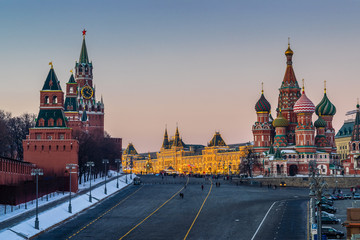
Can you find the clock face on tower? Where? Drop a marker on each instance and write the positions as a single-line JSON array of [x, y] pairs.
[[87, 92]]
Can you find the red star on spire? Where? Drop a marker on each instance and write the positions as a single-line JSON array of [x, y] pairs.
[[84, 32]]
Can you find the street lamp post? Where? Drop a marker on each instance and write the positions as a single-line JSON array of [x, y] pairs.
[[36, 172], [118, 161], [105, 161], [317, 187], [90, 164], [131, 166], [70, 167]]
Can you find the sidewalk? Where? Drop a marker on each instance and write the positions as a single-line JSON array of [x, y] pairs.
[[58, 200]]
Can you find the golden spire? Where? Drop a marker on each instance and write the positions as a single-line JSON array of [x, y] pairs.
[[324, 86], [71, 71], [262, 88], [303, 86], [51, 64]]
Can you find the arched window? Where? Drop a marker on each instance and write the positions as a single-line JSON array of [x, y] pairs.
[[42, 147], [64, 148], [354, 146], [49, 147], [57, 147], [59, 122], [41, 122], [51, 122], [55, 100], [46, 99], [35, 147], [71, 90]]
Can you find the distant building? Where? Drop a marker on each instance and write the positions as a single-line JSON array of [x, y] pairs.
[[288, 144], [176, 156], [343, 136]]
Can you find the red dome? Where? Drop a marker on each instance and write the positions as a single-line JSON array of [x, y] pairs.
[[304, 105]]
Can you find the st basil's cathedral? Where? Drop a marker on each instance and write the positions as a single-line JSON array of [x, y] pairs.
[[289, 144]]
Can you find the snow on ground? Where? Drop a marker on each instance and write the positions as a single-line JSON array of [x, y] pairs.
[[20, 209], [59, 213]]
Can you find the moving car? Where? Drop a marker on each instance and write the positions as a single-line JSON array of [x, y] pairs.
[[137, 181], [282, 184], [331, 232]]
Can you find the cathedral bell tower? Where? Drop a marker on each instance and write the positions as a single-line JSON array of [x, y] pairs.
[[289, 94]]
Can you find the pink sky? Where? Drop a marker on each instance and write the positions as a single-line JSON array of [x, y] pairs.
[[198, 63]]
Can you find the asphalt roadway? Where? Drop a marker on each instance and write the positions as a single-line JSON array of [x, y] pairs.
[[154, 210]]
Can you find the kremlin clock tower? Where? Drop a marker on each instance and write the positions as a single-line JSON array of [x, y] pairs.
[[84, 113]]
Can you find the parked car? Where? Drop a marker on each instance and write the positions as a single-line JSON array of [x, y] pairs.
[[328, 202], [340, 196], [331, 232], [326, 214], [334, 197], [331, 220], [356, 196], [282, 184], [347, 196], [328, 208]]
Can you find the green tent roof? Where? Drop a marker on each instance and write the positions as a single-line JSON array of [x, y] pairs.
[[51, 82]]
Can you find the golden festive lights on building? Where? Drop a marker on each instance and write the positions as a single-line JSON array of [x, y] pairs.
[[177, 157]]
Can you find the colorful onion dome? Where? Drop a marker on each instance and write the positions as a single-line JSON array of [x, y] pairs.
[[320, 122], [325, 107], [280, 121], [262, 105], [304, 104]]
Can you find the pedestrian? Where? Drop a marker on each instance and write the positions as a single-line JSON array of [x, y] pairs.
[[202, 187], [219, 184]]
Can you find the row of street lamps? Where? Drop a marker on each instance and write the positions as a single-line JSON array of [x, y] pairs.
[[38, 172]]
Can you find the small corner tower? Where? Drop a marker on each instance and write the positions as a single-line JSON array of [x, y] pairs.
[[50, 144]]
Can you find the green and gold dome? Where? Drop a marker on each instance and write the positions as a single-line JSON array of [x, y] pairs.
[[320, 123], [262, 105], [280, 121], [325, 107]]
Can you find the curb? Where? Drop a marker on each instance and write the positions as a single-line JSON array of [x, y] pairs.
[[75, 215]]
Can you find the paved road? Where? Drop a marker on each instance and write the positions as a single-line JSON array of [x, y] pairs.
[[155, 211]]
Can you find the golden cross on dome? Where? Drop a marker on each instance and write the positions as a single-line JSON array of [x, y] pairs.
[[262, 88], [324, 86], [289, 41], [303, 87], [71, 71], [51, 64]]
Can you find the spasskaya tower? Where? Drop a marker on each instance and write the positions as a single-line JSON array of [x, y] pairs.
[[82, 109]]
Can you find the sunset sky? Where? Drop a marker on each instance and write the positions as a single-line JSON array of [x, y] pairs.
[[198, 63]]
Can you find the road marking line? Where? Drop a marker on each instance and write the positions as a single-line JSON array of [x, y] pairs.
[[263, 221], [154, 211], [104, 213], [197, 215]]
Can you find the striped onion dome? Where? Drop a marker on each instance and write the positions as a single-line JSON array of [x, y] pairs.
[[304, 105], [262, 105], [280, 121], [325, 107], [320, 122]]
